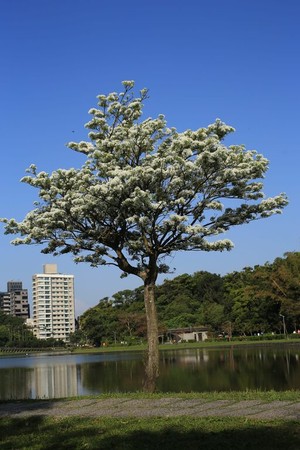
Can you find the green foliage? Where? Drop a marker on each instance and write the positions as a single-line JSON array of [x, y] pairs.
[[190, 300], [257, 296], [14, 332], [77, 338], [113, 321], [4, 335], [241, 303], [286, 287]]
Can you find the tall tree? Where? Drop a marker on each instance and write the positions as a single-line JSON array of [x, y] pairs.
[[285, 280], [144, 192]]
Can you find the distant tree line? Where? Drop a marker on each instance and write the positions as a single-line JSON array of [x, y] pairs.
[[262, 299], [14, 333]]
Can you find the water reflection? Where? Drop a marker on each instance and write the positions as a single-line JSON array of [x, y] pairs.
[[232, 369], [37, 381], [59, 381], [55, 376]]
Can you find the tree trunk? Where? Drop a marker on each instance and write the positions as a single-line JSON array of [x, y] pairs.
[[152, 362]]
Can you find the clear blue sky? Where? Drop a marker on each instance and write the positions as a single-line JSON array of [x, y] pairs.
[[237, 60]]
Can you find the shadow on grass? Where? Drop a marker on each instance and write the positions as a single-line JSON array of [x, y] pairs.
[[133, 434], [23, 406]]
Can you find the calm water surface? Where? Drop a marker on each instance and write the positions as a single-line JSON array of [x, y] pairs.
[[54, 376]]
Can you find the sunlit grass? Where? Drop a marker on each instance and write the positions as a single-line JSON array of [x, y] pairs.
[[184, 345], [167, 346], [266, 396], [235, 396]]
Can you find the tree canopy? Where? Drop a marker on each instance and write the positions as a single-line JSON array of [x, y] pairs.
[[145, 191]]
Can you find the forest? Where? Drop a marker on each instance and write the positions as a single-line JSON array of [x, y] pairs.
[[14, 333], [256, 300]]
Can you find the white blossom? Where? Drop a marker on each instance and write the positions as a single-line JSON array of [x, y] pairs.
[[145, 189]]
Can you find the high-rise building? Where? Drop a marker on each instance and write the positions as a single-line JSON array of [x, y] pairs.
[[53, 304], [14, 286], [5, 302], [19, 303], [15, 300]]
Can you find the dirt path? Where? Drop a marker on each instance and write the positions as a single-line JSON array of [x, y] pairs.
[[163, 407]]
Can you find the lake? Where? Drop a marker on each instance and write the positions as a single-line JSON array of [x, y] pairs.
[[181, 370]]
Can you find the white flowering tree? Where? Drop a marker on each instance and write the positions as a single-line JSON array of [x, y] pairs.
[[144, 192]]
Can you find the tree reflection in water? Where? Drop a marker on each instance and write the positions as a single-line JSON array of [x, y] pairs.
[[270, 367]]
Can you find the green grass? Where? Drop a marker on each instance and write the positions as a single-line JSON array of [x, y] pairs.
[[74, 433], [237, 396], [46, 433], [185, 345], [143, 347]]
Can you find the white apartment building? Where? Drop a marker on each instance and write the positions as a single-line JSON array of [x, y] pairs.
[[53, 304]]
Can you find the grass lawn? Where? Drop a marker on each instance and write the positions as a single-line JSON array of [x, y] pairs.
[[187, 345], [163, 433], [139, 434], [142, 347]]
